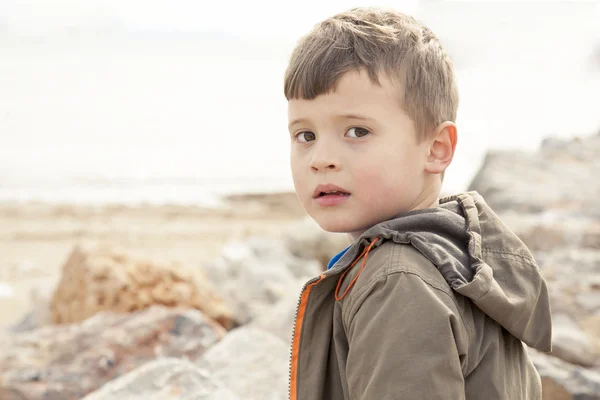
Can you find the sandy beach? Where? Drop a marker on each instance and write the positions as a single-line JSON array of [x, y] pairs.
[[35, 238]]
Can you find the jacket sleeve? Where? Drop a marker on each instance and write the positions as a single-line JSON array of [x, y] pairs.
[[402, 341]]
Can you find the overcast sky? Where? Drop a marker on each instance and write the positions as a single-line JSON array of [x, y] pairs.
[[261, 18]]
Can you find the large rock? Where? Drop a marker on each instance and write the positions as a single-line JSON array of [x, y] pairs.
[[255, 274], [280, 319], [552, 229], [40, 313], [252, 363], [69, 361], [564, 381], [104, 279], [570, 343], [165, 379], [550, 199], [562, 176]]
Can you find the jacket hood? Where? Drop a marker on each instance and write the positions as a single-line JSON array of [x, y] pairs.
[[480, 258]]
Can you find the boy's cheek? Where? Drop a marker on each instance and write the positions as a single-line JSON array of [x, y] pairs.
[[300, 169], [300, 184], [369, 176], [297, 162]]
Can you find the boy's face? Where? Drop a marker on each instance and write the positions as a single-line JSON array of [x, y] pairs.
[[359, 141]]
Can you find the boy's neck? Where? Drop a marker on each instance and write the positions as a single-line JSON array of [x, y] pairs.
[[427, 203]]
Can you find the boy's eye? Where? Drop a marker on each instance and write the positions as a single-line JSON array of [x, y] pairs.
[[306, 136], [357, 132]]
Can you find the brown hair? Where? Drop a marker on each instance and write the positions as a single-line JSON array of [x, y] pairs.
[[377, 41]]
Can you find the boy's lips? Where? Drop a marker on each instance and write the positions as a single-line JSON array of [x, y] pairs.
[[330, 195], [329, 189]]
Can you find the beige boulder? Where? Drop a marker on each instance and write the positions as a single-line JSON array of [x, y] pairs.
[[570, 343], [253, 275], [104, 279], [250, 362], [280, 318], [561, 177], [564, 381], [164, 379]]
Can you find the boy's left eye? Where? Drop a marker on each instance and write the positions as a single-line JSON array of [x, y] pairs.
[[357, 132]]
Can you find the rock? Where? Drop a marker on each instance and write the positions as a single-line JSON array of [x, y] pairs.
[[591, 326], [164, 379], [280, 319], [306, 239], [28, 322], [548, 231], [40, 314], [252, 363], [564, 381], [572, 266], [560, 177], [104, 279], [255, 274], [70, 361], [549, 198], [569, 343], [589, 301]]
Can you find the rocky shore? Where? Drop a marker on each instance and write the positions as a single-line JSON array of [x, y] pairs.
[[550, 199], [182, 303]]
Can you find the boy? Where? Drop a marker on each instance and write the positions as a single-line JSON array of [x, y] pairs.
[[435, 296]]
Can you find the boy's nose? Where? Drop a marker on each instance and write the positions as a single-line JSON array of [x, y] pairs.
[[322, 167], [324, 155], [323, 162]]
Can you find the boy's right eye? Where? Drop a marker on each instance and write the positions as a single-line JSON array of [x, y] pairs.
[[306, 136]]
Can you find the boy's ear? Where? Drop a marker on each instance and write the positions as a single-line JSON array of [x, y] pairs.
[[441, 148]]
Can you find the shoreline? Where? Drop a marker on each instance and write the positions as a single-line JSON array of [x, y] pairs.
[[36, 238]]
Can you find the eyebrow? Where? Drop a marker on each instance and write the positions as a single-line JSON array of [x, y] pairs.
[[296, 121], [341, 116], [353, 116]]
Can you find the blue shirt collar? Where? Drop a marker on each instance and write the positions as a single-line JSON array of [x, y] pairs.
[[336, 258]]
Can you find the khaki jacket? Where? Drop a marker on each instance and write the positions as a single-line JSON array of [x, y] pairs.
[[435, 304]]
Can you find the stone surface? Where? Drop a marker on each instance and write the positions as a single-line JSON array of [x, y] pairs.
[[40, 314], [255, 274], [564, 381], [561, 176], [591, 325], [70, 361], [279, 320], [105, 279], [252, 363], [545, 231], [589, 300], [165, 379], [306, 239], [570, 343], [550, 199]]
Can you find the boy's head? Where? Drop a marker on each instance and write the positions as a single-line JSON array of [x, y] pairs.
[[372, 102]]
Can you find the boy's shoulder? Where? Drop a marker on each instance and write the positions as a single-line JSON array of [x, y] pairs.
[[398, 273], [391, 258]]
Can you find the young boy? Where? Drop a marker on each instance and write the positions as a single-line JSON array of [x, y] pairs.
[[435, 297]]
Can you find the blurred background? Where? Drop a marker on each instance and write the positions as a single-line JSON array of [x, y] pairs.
[[178, 102], [144, 162]]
